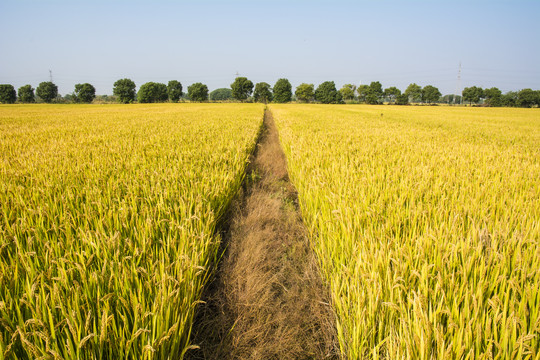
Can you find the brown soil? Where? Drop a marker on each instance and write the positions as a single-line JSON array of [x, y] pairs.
[[267, 300]]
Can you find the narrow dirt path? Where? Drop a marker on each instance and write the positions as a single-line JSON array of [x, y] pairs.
[[267, 300]]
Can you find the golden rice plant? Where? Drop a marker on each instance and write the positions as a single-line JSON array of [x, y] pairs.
[[107, 223], [426, 222]]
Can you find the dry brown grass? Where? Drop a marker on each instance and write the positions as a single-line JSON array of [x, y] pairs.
[[267, 300]]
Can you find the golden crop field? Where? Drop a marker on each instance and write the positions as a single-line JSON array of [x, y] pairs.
[[426, 223], [107, 219]]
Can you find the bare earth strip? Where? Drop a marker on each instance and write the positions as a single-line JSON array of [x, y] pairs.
[[267, 300]]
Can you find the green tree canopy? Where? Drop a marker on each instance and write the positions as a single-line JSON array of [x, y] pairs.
[[527, 98], [241, 88], [348, 91], [509, 99], [326, 93], [492, 93], [198, 92], [84, 93], [375, 88], [402, 99], [26, 94], [282, 91], [221, 94], [392, 93], [430, 94], [493, 97], [372, 99], [174, 90], [47, 91], [8, 95], [414, 92], [152, 92], [124, 90], [263, 92], [473, 94], [305, 92], [371, 94], [363, 92]]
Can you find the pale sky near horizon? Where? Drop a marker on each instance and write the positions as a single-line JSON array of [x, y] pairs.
[[391, 41]]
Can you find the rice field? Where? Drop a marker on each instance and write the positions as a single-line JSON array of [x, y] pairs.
[[107, 223], [426, 224]]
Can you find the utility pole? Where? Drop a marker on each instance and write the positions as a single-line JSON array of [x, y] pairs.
[[458, 86]]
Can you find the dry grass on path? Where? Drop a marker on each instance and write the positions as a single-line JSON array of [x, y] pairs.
[[267, 301]]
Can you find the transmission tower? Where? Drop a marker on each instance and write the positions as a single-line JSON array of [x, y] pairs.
[[50, 75], [458, 86]]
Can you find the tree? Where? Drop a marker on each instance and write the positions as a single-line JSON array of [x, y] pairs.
[[198, 92], [241, 88], [174, 90], [493, 97], [339, 98], [363, 92], [509, 99], [84, 93], [326, 93], [221, 94], [402, 99], [347, 91], [263, 92], [371, 94], [152, 92], [392, 93], [47, 91], [305, 92], [375, 89], [372, 99], [8, 95], [124, 89], [282, 91], [26, 94], [414, 92], [430, 94], [527, 98], [473, 94]]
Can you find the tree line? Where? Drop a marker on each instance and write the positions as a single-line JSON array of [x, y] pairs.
[[243, 89], [495, 98]]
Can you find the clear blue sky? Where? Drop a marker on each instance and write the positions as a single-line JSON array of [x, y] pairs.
[[395, 42]]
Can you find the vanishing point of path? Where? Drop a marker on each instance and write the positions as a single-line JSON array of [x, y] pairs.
[[267, 300]]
